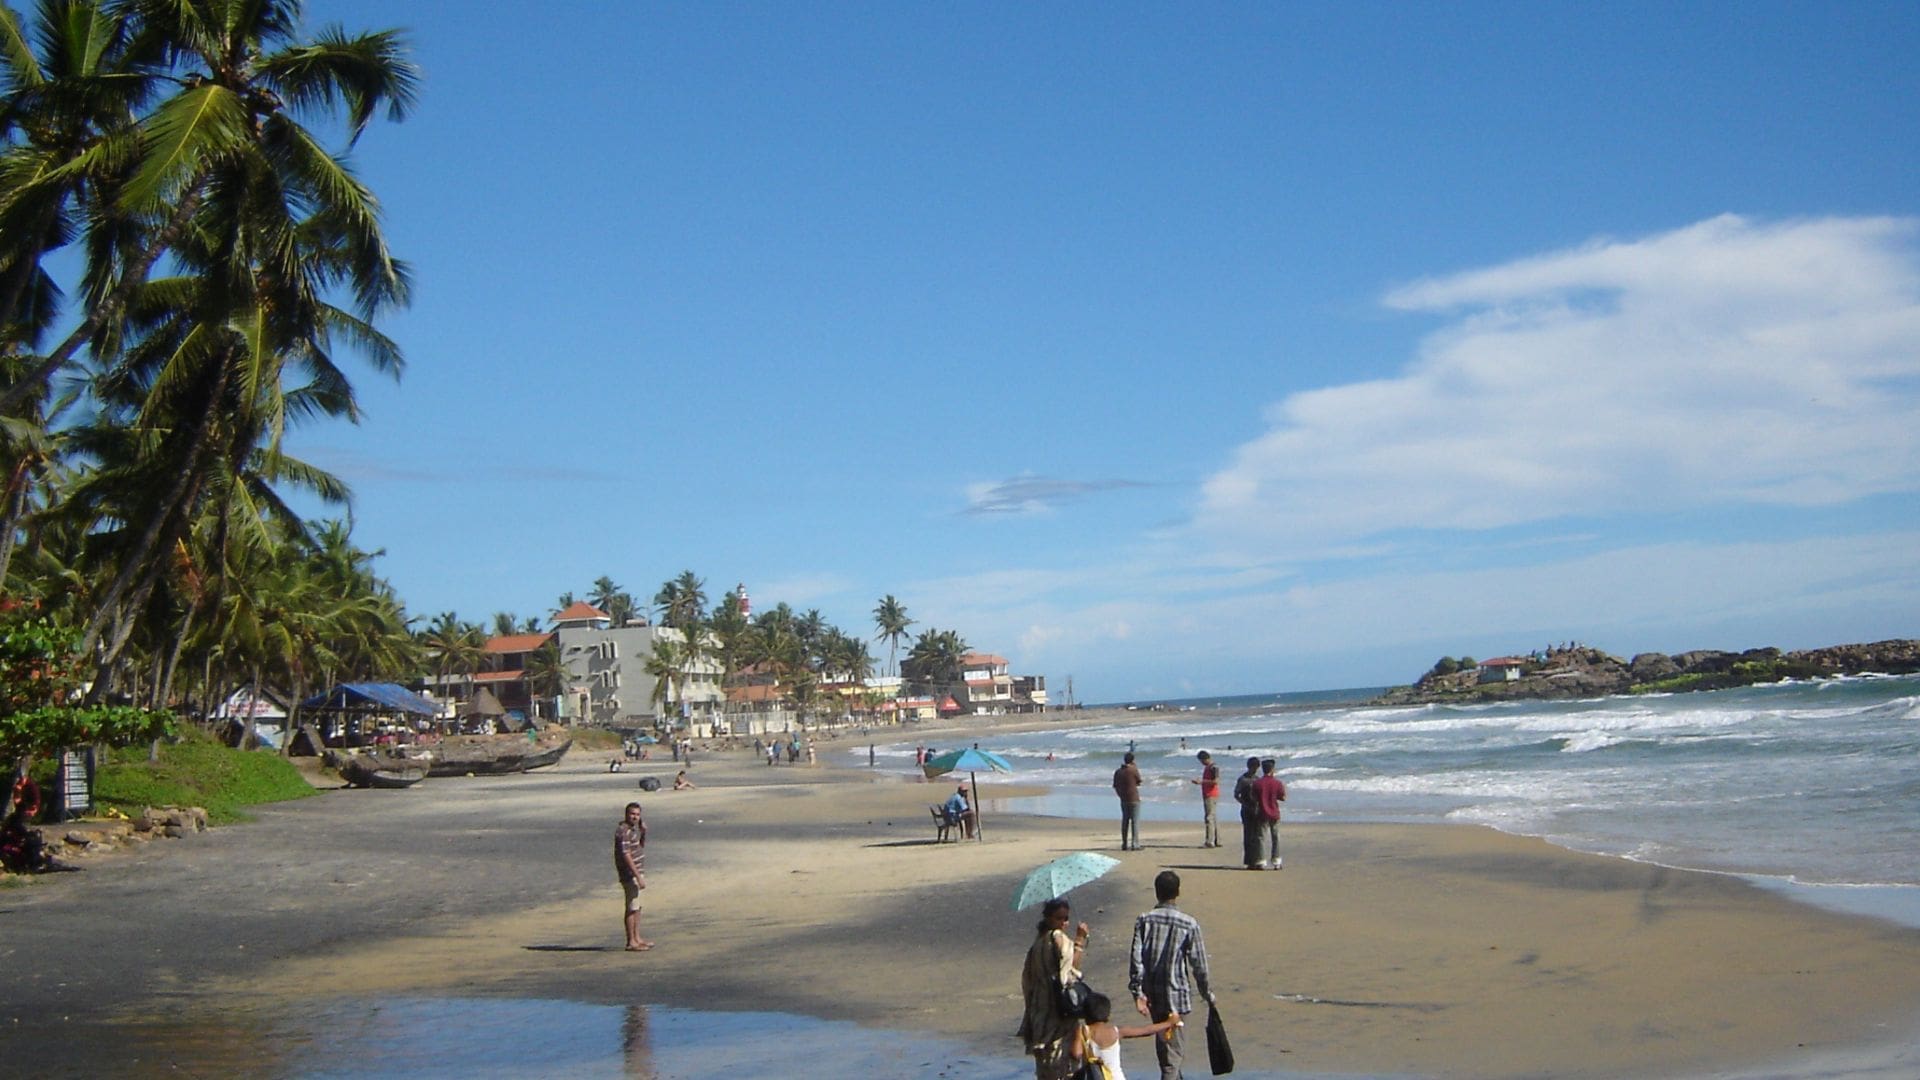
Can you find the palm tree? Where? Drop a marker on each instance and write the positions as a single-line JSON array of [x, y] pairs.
[[682, 601], [546, 672], [227, 133], [664, 666], [933, 663], [890, 618]]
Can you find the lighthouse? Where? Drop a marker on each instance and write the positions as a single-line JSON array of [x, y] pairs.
[[740, 595]]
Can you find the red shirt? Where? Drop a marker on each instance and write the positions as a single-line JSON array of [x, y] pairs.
[[1210, 782], [1269, 792]]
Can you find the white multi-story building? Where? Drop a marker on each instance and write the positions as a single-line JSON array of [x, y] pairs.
[[609, 664], [989, 687]]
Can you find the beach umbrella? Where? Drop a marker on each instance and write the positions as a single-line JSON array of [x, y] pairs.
[[645, 740], [1061, 875], [969, 761]]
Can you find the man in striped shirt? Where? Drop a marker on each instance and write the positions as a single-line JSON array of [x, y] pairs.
[[1167, 962], [630, 862]]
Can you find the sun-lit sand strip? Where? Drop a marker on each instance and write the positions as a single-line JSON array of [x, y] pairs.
[[1422, 950]]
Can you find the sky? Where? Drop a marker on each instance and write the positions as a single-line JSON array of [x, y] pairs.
[[1176, 350]]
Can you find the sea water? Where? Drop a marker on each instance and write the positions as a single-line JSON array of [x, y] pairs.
[[1804, 783]]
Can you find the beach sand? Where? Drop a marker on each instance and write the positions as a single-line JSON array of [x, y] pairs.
[[1416, 950]]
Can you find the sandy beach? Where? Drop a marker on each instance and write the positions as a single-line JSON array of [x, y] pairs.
[[1409, 950]]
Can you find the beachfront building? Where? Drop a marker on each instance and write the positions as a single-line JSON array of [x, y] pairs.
[[505, 673], [989, 687], [1502, 669], [610, 663], [1029, 693]]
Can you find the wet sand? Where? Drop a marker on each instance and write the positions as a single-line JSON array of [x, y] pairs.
[[1418, 950]]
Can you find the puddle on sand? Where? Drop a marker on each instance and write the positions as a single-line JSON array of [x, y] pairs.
[[509, 1038], [486, 1037]]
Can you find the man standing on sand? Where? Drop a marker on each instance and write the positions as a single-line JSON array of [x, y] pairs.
[[1268, 794], [1167, 962], [1126, 784], [1209, 782], [630, 862], [1249, 815]]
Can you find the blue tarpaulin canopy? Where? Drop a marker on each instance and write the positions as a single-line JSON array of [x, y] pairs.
[[372, 695]]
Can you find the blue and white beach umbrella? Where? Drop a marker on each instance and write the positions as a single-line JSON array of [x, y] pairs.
[[1061, 875], [970, 761]]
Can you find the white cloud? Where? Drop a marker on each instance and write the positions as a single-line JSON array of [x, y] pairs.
[[1730, 362]]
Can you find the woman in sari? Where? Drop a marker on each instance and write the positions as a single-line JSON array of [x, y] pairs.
[[1052, 961]]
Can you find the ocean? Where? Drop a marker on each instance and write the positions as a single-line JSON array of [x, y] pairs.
[[1813, 783]]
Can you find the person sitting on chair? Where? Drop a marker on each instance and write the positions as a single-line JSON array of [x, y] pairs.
[[959, 811]]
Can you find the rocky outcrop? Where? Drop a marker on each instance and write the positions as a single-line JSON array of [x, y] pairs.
[[1577, 671]]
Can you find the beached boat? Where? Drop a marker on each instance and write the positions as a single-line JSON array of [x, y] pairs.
[[383, 770], [493, 755]]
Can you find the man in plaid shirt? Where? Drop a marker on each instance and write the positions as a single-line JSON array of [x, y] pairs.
[[1167, 962]]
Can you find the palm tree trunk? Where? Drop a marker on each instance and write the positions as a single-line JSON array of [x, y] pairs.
[[12, 509], [172, 516]]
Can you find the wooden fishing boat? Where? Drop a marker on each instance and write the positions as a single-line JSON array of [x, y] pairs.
[[493, 755], [383, 770]]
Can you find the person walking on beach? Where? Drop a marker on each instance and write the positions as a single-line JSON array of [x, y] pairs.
[[1053, 960], [1126, 784], [1209, 782], [630, 862], [1249, 815], [1268, 793], [1167, 963]]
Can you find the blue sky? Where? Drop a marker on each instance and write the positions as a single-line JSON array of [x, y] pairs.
[[1182, 350]]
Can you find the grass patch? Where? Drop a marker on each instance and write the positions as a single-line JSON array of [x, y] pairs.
[[197, 771], [589, 738]]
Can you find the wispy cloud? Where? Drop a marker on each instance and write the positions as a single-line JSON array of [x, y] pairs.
[[1730, 362], [1035, 494]]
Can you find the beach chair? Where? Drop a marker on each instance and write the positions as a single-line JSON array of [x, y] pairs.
[[945, 827]]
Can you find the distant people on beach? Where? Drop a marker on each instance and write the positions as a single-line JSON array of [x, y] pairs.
[[1166, 964], [1126, 784], [681, 783], [1269, 792], [1249, 815], [870, 758], [1209, 781], [1053, 961], [630, 862], [1099, 1038]]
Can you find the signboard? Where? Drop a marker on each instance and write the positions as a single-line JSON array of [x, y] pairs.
[[75, 783]]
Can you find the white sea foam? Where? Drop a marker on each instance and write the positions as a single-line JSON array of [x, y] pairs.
[[1590, 740]]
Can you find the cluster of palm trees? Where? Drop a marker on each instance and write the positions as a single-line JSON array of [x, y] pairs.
[[184, 263], [799, 652]]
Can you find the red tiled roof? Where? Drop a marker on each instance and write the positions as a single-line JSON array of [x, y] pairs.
[[513, 643], [1503, 661], [581, 610], [976, 659], [498, 676]]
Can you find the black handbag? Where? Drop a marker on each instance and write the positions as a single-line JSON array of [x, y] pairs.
[[1074, 998], [1219, 1054]]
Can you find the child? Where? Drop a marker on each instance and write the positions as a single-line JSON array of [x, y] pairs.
[[1099, 1041]]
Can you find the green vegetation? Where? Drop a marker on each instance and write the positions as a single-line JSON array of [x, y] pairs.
[[197, 771], [1741, 673]]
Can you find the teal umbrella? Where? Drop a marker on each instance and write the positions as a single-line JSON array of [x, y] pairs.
[[969, 761], [1061, 875]]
